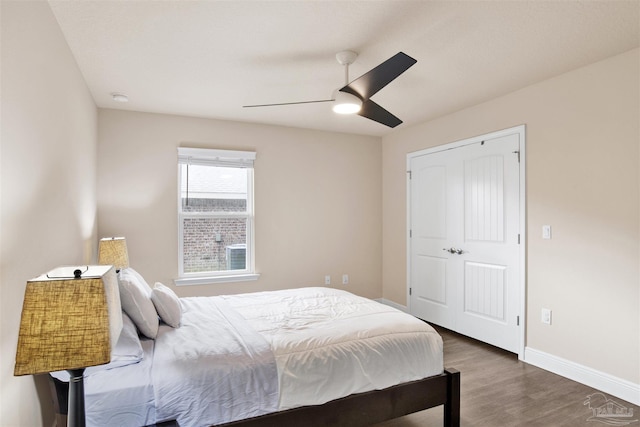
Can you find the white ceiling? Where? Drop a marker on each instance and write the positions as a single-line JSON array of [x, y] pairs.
[[208, 58]]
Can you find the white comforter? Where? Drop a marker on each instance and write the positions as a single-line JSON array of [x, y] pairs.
[[236, 357], [215, 368], [330, 343]]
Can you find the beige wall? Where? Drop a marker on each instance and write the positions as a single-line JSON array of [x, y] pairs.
[[317, 198], [48, 182], [583, 138]]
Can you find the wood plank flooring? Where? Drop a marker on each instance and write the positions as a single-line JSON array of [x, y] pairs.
[[499, 390]]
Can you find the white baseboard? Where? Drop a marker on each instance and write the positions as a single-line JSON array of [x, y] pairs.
[[602, 381], [392, 304]]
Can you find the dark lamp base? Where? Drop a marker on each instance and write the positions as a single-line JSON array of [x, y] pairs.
[[76, 398]]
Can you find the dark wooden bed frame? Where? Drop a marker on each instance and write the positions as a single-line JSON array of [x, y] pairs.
[[362, 409]]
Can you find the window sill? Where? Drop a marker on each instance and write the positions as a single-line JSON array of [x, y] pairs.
[[207, 280]]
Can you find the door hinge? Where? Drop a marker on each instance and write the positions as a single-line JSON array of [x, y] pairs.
[[410, 233], [518, 239], [518, 153], [409, 291], [409, 172], [517, 320]]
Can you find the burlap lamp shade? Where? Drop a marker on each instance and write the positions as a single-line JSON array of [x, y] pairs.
[[113, 251]]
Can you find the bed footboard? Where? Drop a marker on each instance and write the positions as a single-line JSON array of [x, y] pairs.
[[365, 409]]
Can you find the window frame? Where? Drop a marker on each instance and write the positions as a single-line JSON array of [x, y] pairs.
[[217, 158]]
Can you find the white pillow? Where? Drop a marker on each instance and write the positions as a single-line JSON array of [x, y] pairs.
[[135, 296], [140, 279], [167, 304]]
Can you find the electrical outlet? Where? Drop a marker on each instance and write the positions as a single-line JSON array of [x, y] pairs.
[[327, 280], [546, 316], [345, 279]]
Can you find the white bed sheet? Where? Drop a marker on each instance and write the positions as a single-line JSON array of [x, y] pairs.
[[123, 396], [329, 343], [120, 393]]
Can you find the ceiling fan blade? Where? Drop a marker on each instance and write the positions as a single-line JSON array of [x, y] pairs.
[[373, 111], [371, 82], [288, 103]]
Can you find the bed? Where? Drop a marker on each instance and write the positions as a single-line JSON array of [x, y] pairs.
[[309, 356]]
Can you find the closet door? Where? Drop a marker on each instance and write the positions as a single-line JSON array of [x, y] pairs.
[[464, 247]]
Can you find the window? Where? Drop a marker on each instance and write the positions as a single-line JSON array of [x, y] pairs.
[[215, 216]]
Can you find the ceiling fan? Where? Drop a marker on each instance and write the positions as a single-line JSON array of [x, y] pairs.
[[355, 97]]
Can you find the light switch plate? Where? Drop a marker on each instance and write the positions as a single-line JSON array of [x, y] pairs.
[[546, 232]]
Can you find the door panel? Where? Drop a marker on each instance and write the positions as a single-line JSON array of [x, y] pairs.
[[434, 272], [483, 192], [431, 204], [484, 291]]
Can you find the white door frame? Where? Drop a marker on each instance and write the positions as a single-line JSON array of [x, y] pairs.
[[521, 131]]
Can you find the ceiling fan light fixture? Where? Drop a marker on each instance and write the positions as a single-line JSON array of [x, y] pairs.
[[346, 103]]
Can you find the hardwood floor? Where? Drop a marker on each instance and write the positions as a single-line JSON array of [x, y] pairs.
[[499, 390]]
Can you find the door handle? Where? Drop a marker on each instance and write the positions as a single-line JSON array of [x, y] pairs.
[[453, 251]]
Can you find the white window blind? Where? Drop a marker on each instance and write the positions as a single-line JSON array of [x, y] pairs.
[[210, 157]]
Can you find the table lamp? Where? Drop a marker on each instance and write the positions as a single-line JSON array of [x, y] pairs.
[[113, 251], [71, 319]]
